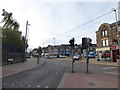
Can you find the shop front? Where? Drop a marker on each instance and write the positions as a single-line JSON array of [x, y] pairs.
[[115, 53], [104, 54]]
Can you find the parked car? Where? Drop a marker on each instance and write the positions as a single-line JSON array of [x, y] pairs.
[[48, 57], [76, 57], [61, 56], [28, 56], [92, 55]]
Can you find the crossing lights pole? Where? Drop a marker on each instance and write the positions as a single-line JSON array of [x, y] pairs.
[[87, 60], [72, 47]]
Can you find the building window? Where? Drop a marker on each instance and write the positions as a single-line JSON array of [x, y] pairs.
[[103, 42], [105, 32], [102, 33], [107, 43]]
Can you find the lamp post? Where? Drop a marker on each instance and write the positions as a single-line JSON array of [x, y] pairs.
[[54, 45], [54, 41], [25, 41], [117, 30]]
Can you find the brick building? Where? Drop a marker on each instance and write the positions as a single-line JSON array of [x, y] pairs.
[[107, 41]]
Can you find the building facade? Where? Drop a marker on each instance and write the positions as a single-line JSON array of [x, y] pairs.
[[63, 49], [107, 42]]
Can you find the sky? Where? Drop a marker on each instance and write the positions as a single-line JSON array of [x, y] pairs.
[[59, 19]]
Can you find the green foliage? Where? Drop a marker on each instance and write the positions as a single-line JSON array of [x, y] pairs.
[[8, 20], [12, 40], [11, 36]]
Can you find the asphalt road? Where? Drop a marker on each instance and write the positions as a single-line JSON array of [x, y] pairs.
[[45, 76], [95, 68], [50, 74]]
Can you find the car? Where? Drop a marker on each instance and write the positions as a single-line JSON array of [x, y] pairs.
[[76, 57], [92, 55], [61, 56], [48, 57], [28, 56]]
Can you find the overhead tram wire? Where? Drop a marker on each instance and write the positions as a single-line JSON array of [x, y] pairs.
[[88, 22], [85, 23], [58, 35]]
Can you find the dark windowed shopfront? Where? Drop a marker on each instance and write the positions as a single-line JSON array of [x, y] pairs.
[[108, 54]]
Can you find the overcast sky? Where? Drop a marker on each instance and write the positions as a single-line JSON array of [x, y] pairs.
[[58, 19]]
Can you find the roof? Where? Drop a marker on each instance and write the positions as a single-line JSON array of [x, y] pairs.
[[114, 24]]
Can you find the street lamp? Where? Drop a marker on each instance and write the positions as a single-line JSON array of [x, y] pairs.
[[25, 41], [54, 46], [113, 9], [54, 41]]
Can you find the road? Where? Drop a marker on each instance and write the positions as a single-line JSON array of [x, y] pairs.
[[50, 74]]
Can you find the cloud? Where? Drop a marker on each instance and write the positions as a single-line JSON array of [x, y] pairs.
[[49, 19]]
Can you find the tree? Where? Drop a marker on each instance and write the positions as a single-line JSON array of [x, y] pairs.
[[12, 39], [8, 20]]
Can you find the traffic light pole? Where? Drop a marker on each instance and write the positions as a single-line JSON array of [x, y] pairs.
[[72, 47], [87, 59], [86, 43], [72, 59]]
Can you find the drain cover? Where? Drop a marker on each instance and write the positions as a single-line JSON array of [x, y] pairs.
[[91, 84]]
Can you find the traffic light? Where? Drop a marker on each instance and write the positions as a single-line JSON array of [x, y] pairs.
[[84, 43], [72, 42], [89, 42]]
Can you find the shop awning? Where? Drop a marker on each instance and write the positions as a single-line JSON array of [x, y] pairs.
[[102, 49]]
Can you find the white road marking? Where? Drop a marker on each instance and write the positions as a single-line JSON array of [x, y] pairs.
[[46, 87], [38, 86], [110, 68], [13, 84], [4, 84], [21, 85], [111, 73], [29, 85]]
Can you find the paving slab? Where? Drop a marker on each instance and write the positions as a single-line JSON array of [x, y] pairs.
[[87, 80], [21, 66]]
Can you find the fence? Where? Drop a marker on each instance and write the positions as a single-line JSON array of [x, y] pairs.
[[17, 57]]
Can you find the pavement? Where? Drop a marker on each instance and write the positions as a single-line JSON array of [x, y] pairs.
[[21, 66], [81, 79]]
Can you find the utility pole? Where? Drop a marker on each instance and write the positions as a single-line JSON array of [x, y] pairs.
[[25, 41], [54, 41], [54, 45], [117, 30]]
